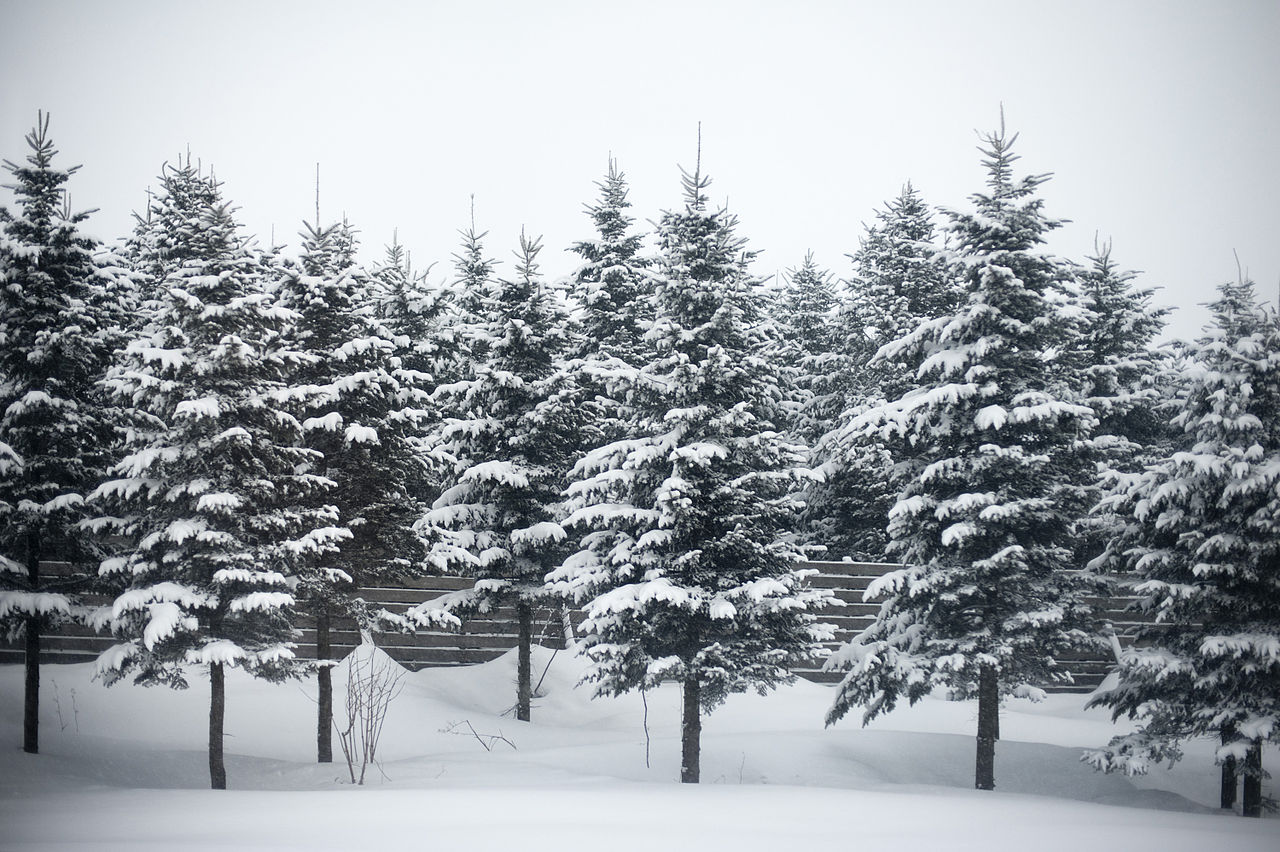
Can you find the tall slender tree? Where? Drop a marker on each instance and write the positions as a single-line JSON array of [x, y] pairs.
[[987, 463], [612, 282], [360, 418], [1124, 377], [809, 343], [899, 281], [1199, 546], [509, 435], [685, 564], [213, 498], [56, 336]]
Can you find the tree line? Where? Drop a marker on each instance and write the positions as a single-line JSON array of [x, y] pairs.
[[237, 438]]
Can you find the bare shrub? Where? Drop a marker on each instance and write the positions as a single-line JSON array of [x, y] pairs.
[[373, 681]]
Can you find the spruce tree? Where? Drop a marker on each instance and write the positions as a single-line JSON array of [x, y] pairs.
[[1200, 548], [808, 343], [57, 331], [214, 495], [613, 291], [1123, 377], [685, 566], [508, 435], [899, 282], [612, 283], [361, 420], [987, 465], [418, 316]]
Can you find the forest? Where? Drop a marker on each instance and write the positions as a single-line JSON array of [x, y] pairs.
[[234, 436]]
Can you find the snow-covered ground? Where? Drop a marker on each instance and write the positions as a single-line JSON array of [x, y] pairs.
[[125, 769]]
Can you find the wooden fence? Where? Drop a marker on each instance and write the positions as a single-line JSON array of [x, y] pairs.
[[486, 637]]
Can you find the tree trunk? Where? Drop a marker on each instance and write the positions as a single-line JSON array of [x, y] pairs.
[[1228, 791], [1253, 781], [524, 670], [324, 682], [31, 690], [217, 712], [988, 728], [31, 693], [691, 731]]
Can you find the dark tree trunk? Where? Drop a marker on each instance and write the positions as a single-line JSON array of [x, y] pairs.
[[1228, 795], [988, 728], [691, 731], [324, 682], [31, 693], [1252, 805], [217, 712], [31, 689], [524, 671]]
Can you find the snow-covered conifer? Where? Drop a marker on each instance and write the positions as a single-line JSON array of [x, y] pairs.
[[214, 494], [613, 288], [808, 341], [612, 282], [1123, 377], [166, 234], [898, 283], [987, 463], [685, 566], [509, 435], [360, 417], [418, 316], [1200, 547], [56, 435]]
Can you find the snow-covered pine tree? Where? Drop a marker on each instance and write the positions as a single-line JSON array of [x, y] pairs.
[[898, 283], [361, 421], [1119, 333], [1200, 547], [685, 565], [808, 341], [613, 293], [214, 495], [472, 294], [1124, 378], [56, 435], [510, 437], [612, 283], [164, 235], [986, 459], [417, 315]]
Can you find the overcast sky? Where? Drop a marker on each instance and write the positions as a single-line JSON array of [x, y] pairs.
[[1159, 120]]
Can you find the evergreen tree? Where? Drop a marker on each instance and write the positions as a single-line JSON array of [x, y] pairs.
[[360, 420], [214, 495], [418, 317], [899, 282], [614, 289], [509, 436], [612, 281], [166, 235], [1200, 547], [56, 336], [1123, 378], [685, 564], [808, 343], [987, 463], [473, 294]]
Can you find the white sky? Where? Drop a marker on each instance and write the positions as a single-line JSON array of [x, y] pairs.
[[1159, 120]]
